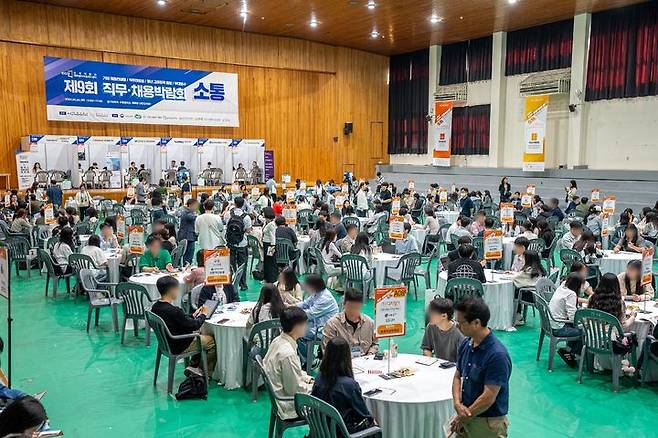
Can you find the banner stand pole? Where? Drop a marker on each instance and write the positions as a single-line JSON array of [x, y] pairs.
[[9, 321], [390, 353]]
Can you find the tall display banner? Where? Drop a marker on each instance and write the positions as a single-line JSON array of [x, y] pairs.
[[269, 164], [443, 128], [92, 91], [24, 170], [5, 292], [536, 112]]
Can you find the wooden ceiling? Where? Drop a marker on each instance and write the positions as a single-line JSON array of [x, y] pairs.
[[403, 25]]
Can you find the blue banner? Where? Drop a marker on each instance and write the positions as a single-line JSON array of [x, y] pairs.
[[91, 91]]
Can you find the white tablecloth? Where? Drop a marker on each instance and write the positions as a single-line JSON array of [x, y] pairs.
[[416, 406], [508, 251], [449, 216], [419, 234], [380, 262], [616, 263], [498, 294], [148, 280], [228, 338], [303, 242], [113, 265]]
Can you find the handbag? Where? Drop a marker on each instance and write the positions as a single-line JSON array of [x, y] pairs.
[[625, 344]]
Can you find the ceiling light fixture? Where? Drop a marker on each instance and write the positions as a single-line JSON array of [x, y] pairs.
[[511, 2], [435, 19], [371, 4], [374, 34], [313, 23], [162, 2]]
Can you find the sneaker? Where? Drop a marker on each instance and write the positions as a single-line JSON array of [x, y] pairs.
[[567, 357], [193, 371]]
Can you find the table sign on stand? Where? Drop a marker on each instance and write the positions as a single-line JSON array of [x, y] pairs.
[[5, 292], [390, 314]]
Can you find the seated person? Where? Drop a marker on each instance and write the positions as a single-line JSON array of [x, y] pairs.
[[62, 250], [179, 323], [336, 385], [352, 325], [334, 219], [346, 243], [408, 242], [442, 336], [289, 288], [282, 365], [465, 266], [463, 240], [225, 294], [269, 305], [632, 241], [21, 224], [478, 224], [92, 249], [197, 275], [520, 246], [107, 238], [488, 225], [586, 290], [320, 306], [570, 238], [23, 417], [531, 271], [528, 228], [630, 282], [563, 309], [155, 258], [164, 238]]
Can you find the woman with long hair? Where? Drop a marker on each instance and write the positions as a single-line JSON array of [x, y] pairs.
[[269, 305], [630, 282], [289, 287], [607, 298], [570, 191], [362, 245], [63, 249], [631, 241], [505, 189], [270, 269], [335, 385]]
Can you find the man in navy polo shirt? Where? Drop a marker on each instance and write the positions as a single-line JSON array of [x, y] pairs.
[[480, 389]]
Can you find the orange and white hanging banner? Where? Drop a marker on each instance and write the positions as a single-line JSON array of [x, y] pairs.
[[507, 212], [609, 203], [596, 195], [526, 200], [493, 244], [536, 112], [443, 129]]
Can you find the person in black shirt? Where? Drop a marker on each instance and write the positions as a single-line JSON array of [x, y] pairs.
[[285, 232], [335, 385], [463, 240], [460, 267], [386, 197], [179, 323]]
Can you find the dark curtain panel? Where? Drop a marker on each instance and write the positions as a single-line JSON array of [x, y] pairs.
[[479, 59], [623, 54], [453, 63], [470, 130], [540, 48], [408, 103]]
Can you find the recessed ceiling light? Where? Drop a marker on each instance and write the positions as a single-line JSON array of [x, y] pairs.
[[435, 19], [244, 14], [511, 2], [461, 17], [313, 23], [371, 4], [374, 34], [162, 2]]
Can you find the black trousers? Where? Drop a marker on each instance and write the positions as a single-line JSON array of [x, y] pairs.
[[239, 256]]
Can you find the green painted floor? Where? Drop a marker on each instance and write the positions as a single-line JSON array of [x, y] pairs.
[[96, 387]]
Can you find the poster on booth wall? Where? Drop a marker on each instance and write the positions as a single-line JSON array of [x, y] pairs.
[[121, 226], [507, 212], [390, 311], [136, 239], [91, 91], [493, 244], [596, 195], [647, 265], [443, 131], [396, 228], [49, 214], [526, 200], [290, 213], [395, 205], [4, 272], [217, 265], [609, 203], [535, 115]]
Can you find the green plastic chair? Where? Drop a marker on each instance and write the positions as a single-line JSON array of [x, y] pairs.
[[325, 421], [478, 243], [537, 245], [354, 267], [19, 253], [254, 251], [47, 260], [406, 267], [423, 271], [170, 219], [303, 221], [567, 257], [134, 300], [352, 220], [283, 248], [546, 330], [258, 342], [458, 288], [137, 216], [598, 327]]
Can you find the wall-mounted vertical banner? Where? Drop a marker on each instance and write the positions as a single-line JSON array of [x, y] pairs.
[[269, 165], [536, 111], [443, 128]]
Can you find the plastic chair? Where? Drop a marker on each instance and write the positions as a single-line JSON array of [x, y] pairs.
[[47, 260], [137, 216], [352, 220], [82, 228], [537, 245], [254, 250], [163, 335], [567, 257], [458, 288], [260, 337], [423, 271], [135, 299], [170, 219], [325, 421], [597, 329], [237, 276], [545, 287], [177, 253], [100, 296], [356, 271], [406, 266], [478, 243], [283, 248], [277, 425], [77, 262], [303, 222], [19, 252], [545, 330], [648, 356]]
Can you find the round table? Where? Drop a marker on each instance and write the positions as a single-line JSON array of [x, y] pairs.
[[498, 294], [149, 280], [415, 406], [303, 241], [420, 233], [449, 216], [616, 263], [643, 326], [380, 262], [508, 251], [113, 258], [228, 338]]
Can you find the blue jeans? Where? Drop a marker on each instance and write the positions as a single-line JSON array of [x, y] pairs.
[[567, 331], [310, 336]]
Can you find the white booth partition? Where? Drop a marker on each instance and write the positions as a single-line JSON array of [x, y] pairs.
[[246, 152], [142, 151]]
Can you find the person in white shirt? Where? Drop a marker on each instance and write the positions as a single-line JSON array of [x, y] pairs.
[[459, 229], [282, 364], [575, 230], [563, 310], [331, 253], [92, 249], [520, 246], [62, 250], [83, 199], [527, 230], [362, 201], [209, 227]]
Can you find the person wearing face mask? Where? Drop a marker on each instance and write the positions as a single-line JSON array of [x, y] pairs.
[[465, 203]]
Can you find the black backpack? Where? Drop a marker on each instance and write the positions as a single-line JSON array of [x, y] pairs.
[[194, 386], [235, 229]]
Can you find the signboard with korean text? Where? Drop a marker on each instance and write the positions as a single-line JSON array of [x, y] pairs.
[[596, 195], [647, 265], [395, 205], [443, 196], [442, 130], [605, 223], [339, 200], [290, 196], [493, 244], [92, 91], [49, 214], [396, 228], [290, 213], [121, 226], [531, 188], [535, 115], [136, 239], [526, 200], [4, 272], [609, 203], [217, 265], [390, 311], [507, 213]]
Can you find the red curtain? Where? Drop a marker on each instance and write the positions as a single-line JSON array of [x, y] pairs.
[[623, 54], [470, 130], [408, 103], [479, 59], [453, 63], [467, 61], [539, 48]]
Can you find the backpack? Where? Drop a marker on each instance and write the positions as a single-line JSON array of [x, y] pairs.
[[194, 386], [235, 229]]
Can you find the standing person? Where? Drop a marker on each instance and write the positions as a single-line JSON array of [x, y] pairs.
[[54, 194], [385, 197], [238, 223], [209, 227], [83, 199], [570, 191], [140, 190], [505, 189], [480, 387], [187, 227]]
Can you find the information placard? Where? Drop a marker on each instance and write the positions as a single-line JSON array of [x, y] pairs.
[[647, 265], [531, 188], [121, 226], [609, 203], [390, 311], [290, 213], [526, 200], [507, 213], [396, 228], [443, 196], [49, 214], [395, 205], [217, 266], [493, 244], [136, 239], [596, 195]]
